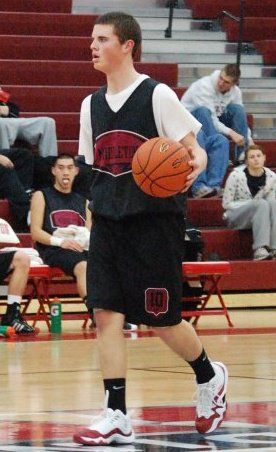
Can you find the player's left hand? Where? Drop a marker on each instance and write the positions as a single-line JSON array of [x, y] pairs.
[[198, 162]]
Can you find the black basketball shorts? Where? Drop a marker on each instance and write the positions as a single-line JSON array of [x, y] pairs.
[[134, 267], [63, 258], [5, 263]]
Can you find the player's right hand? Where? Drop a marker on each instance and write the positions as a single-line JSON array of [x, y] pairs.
[[71, 244]]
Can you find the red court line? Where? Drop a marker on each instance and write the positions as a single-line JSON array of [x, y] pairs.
[[82, 335]]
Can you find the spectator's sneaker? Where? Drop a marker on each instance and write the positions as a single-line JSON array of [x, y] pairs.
[[112, 426], [261, 254], [129, 327], [211, 404], [273, 254], [204, 192], [14, 319], [219, 192]]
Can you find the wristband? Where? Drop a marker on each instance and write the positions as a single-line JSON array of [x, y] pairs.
[[56, 241]]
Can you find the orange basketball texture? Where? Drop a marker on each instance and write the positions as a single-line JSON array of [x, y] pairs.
[[160, 167]]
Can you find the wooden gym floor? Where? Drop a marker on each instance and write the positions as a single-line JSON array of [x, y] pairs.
[[51, 384]]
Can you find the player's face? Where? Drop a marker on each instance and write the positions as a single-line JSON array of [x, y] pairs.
[[255, 159], [64, 172], [224, 83], [107, 51]]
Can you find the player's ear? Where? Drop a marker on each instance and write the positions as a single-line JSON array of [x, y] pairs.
[[128, 45], [77, 170]]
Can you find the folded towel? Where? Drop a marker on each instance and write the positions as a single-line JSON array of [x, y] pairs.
[[79, 233]]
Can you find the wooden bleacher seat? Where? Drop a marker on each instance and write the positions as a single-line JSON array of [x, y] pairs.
[[210, 273], [61, 73], [210, 9], [41, 6], [51, 24]]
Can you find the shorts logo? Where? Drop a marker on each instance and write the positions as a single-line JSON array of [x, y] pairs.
[[156, 301]]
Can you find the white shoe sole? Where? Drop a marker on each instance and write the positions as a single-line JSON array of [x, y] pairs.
[[116, 438]]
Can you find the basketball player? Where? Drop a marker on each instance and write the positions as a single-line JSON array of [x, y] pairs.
[[59, 206], [136, 247]]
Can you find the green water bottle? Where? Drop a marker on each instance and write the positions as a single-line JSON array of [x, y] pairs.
[[56, 316], [7, 331]]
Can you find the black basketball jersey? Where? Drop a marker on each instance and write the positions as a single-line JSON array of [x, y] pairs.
[[116, 137], [61, 210]]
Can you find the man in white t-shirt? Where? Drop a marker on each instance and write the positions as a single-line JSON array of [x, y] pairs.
[[216, 101], [136, 245]]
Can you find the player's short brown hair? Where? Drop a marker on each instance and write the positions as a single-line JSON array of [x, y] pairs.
[[232, 70], [125, 27]]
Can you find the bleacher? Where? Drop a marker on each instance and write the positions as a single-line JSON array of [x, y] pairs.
[[45, 64]]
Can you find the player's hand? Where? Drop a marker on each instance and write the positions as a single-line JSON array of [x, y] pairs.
[[5, 161], [198, 162], [71, 244], [237, 138]]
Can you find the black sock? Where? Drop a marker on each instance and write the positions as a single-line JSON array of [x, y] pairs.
[[117, 393], [202, 367], [12, 310], [90, 310]]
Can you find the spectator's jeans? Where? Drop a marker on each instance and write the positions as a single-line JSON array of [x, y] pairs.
[[234, 117], [217, 149]]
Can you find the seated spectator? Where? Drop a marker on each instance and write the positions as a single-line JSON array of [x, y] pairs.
[[39, 131], [59, 207], [249, 201], [209, 182], [17, 264], [216, 101]]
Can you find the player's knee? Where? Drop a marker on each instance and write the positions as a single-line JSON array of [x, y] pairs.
[[80, 268], [161, 330], [21, 260]]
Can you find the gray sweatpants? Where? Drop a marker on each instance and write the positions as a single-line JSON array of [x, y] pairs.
[[40, 131], [260, 215]]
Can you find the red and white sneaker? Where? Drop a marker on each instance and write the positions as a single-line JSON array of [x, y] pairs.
[[211, 404], [112, 426]]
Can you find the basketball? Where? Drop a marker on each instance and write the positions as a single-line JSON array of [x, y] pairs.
[[160, 167]]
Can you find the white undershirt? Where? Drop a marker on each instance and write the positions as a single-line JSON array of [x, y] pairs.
[[172, 119]]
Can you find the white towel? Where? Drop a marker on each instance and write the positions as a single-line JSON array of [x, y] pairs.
[[79, 233]]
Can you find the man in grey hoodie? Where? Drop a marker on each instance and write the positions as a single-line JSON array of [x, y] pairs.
[[216, 101]]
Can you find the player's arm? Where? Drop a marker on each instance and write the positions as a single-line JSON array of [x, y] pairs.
[[198, 156], [88, 222], [37, 218]]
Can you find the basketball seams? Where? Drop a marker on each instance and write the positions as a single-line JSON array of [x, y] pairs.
[[167, 157], [148, 159], [157, 181]]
